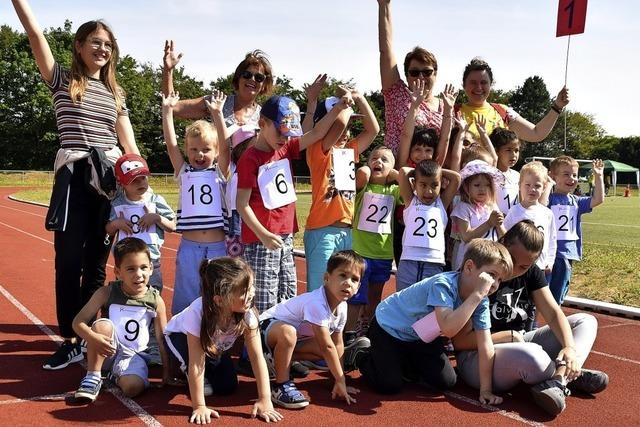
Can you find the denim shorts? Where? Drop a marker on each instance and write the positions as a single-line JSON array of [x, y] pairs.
[[377, 271]]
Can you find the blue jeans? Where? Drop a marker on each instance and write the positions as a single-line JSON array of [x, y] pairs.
[[410, 272], [376, 271], [560, 278], [319, 245]]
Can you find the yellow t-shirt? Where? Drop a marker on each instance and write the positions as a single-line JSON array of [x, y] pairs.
[[491, 115], [328, 204]]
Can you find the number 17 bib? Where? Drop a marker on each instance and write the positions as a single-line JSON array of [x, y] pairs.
[[376, 213], [200, 194], [276, 184]]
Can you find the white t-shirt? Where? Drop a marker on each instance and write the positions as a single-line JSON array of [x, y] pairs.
[[429, 223], [306, 310], [507, 193], [542, 217], [475, 216]]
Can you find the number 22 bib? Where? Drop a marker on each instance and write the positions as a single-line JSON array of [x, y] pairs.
[[376, 213]]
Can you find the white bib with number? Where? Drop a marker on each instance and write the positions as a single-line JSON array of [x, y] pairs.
[[344, 169], [232, 192], [132, 325], [276, 184], [376, 213], [200, 194], [133, 214], [566, 217], [424, 227]]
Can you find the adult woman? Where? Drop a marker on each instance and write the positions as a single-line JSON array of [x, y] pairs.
[[92, 118], [477, 80], [545, 358], [253, 77], [419, 64]]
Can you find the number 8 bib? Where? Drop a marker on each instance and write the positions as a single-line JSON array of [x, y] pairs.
[[276, 184], [200, 194], [376, 213], [133, 213]]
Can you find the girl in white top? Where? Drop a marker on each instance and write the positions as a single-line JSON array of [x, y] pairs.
[[507, 146], [425, 218], [535, 185], [199, 336], [477, 215]]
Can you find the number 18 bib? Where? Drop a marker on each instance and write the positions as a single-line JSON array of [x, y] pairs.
[[276, 184], [133, 214], [200, 194], [376, 213]]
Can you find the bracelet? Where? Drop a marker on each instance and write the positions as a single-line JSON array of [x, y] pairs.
[[555, 108]]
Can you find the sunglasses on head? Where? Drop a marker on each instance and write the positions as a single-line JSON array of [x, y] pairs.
[[258, 77], [426, 72]]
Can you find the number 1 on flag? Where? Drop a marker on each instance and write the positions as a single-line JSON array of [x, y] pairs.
[[572, 15]]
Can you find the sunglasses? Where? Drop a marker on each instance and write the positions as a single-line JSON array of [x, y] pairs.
[[258, 77], [426, 72]]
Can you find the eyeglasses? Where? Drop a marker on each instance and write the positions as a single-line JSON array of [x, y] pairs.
[[258, 77], [97, 44], [426, 72]]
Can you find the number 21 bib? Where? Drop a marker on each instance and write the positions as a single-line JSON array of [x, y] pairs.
[[565, 217]]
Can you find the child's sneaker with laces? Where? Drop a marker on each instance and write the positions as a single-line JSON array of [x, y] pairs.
[[362, 327], [590, 381], [66, 354], [550, 395], [354, 352], [288, 396], [89, 388]]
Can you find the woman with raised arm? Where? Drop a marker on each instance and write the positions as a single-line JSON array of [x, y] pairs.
[[92, 119]]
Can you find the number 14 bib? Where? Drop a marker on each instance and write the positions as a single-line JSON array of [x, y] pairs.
[[376, 213], [276, 184]]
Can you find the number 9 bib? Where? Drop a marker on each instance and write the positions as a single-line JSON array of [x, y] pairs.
[[200, 194], [132, 325], [276, 184], [376, 212]]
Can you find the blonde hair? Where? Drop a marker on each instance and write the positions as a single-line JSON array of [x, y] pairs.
[[381, 148], [535, 168], [562, 161], [487, 252], [78, 80], [201, 129]]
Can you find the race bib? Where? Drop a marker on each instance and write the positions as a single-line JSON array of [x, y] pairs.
[[424, 227], [133, 214], [132, 325], [566, 217], [200, 194], [276, 184], [344, 169], [376, 213], [507, 196], [232, 192]]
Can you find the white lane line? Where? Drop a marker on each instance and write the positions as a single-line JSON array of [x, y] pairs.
[[613, 356], [507, 414], [48, 398], [136, 409], [21, 211], [611, 225], [26, 232], [618, 324]]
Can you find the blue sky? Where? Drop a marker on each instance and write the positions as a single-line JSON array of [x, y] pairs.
[[304, 38]]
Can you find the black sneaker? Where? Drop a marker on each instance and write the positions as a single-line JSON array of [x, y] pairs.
[[354, 352], [590, 381], [298, 370], [67, 353], [550, 395]]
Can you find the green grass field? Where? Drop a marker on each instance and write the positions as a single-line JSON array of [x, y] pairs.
[[610, 270]]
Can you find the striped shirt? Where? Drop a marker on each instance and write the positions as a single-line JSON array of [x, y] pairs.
[[201, 222], [88, 123]]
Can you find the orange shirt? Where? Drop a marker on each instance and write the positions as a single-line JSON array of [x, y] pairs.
[[328, 205]]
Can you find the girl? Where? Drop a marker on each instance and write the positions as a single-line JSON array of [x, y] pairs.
[[199, 336], [91, 114], [507, 146], [477, 215], [425, 216]]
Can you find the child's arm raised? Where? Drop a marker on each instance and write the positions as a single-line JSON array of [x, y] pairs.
[[486, 355], [215, 106], [450, 192], [200, 414], [313, 92], [362, 177], [169, 131], [330, 355], [448, 97], [485, 141], [369, 122], [263, 407], [104, 345], [598, 189], [456, 150], [159, 324], [406, 187], [322, 127], [269, 240], [418, 94], [37, 41]]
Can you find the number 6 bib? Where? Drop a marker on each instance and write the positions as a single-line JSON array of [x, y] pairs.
[[376, 212], [200, 194], [133, 213], [276, 184]]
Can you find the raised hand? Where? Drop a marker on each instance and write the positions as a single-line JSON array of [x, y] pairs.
[[313, 90], [460, 122], [419, 92], [449, 95], [598, 167], [562, 99], [481, 124], [170, 59], [168, 102], [215, 105]]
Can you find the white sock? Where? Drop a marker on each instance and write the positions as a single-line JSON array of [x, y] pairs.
[[94, 374]]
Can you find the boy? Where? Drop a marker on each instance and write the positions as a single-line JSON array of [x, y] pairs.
[[310, 326], [405, 332], [567, 211], [117, 342], [266, 197]]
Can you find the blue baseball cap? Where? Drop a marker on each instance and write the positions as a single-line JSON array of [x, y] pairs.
[[284, 113]]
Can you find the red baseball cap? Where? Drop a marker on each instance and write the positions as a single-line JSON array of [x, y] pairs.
[[129, 167]]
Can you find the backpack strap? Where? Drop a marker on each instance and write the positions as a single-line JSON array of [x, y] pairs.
[[501, 111]]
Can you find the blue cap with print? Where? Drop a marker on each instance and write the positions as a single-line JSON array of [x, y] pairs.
[[284, 113]]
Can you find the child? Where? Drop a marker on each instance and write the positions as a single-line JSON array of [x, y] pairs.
[[199, 336], [139, 212], [534, 183], [373, 233], [332, 163], [405, 333], [117, 340], [567, 211], [425, 217], [266, 197], [200, 205], [477, 215], [310, 326], [507, 146]]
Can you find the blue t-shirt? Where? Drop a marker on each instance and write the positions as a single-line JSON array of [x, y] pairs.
[[571, 249], [399, 311]]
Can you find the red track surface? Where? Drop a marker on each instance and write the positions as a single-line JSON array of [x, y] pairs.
[[29, 395]]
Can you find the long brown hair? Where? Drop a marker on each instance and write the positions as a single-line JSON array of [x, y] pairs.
[[78, 79], [223, 277]]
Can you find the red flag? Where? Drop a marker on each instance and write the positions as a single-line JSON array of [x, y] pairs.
[[571, 17]]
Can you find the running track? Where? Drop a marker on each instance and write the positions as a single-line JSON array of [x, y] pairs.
[[30, 395]]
